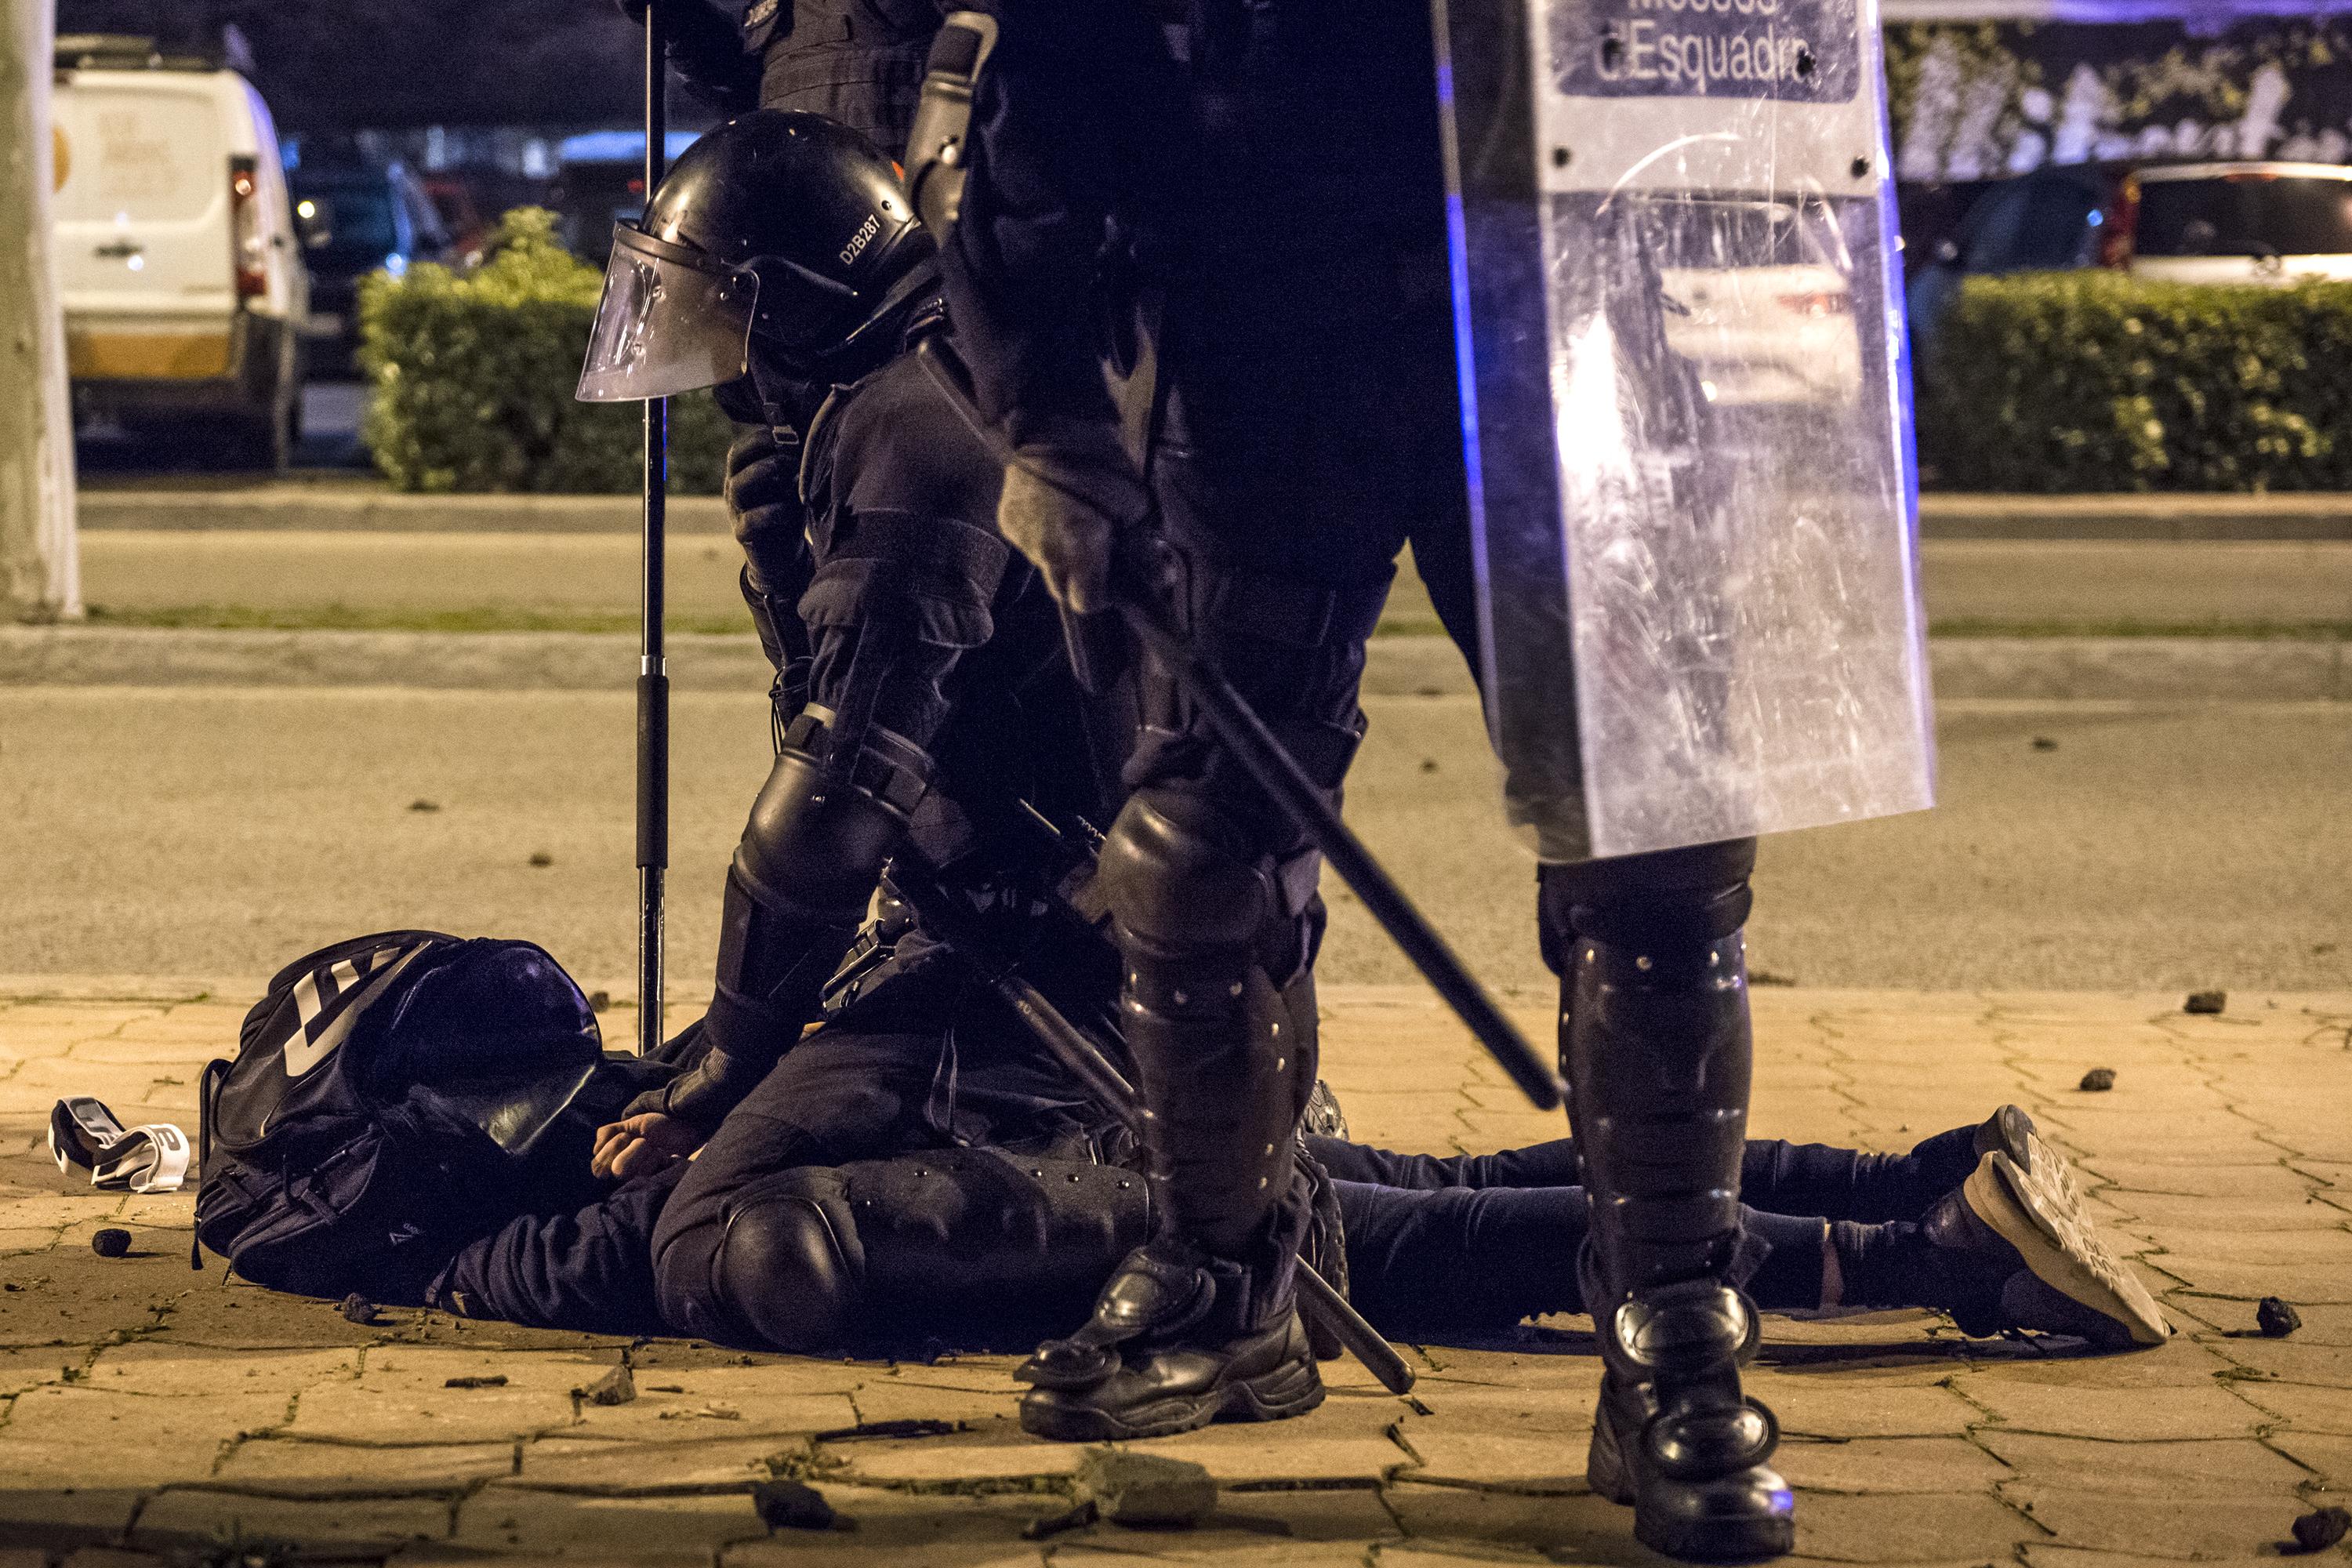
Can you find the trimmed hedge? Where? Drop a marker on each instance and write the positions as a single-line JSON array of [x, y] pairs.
[[2066, 382], [473, 375]]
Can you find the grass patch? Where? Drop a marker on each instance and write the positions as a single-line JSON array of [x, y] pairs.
[[2254, 631], [1409, 626], [393, 618]]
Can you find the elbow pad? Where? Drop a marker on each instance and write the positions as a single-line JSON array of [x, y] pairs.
[[937, 149]]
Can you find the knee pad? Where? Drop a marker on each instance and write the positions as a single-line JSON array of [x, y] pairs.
[[1177, 877], [972, 1247], [787, 1270], [1669, 899]]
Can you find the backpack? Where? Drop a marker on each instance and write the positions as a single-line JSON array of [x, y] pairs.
[[385, 1107]]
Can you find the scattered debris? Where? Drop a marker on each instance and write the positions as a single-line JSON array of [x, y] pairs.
[[2098, 1080], [1394, 1433], [1766, 977], [2321, 1528], [1078, 1518], [1429, 764], [541, 858], [706, 1412], [110, 1243], [493, 1380], [357, 1309], [2205, 1002], [665, 1388], [918, 1428], [2275, 1317], [1146, 1490], [599, 1001], [2044, 743], [791, 1505], [421, 804], [243, 1551], [615, 1387]]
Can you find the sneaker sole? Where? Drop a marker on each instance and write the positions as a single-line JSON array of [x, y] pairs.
[[2039, 1158], [1291, 1389], [2031, 1211]]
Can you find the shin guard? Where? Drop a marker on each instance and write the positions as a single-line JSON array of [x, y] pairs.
[[798, 887], [1657, 1051]]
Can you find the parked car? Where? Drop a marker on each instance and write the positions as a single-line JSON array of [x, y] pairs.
[[182, 279], [461, 215], [355, 221], [600, 181], [1779, 330], [2055, 219], [2240, 223]]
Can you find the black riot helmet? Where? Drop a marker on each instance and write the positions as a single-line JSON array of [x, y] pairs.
[[781, 226]]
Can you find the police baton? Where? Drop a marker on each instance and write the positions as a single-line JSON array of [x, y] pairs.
[[1139, 606], [653, 671], [917, 883]]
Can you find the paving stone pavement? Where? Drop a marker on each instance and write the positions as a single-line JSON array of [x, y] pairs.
[[151, 1413]]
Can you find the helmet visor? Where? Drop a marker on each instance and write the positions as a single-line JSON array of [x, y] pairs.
[[671, 320]]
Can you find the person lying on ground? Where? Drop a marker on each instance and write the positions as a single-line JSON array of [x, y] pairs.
[[919, 1175]]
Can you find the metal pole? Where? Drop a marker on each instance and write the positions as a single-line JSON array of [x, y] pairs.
[[39, 564], [653, 671]]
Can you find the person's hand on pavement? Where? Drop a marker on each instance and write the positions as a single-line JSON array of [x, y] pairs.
[[637, 1145]]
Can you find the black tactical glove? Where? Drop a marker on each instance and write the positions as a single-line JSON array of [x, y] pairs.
[[701, 1098], [1063, 506], [764, 485]]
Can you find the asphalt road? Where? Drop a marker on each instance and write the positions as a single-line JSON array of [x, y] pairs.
[[219, 832]]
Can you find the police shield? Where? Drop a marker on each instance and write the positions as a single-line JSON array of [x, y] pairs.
[[1687, 416]]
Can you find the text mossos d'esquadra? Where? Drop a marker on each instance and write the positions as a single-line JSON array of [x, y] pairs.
[[1691, 43]]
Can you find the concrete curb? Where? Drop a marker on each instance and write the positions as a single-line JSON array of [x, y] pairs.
[[2015, 669], [362, 506], [371, 509], [2315, 516]]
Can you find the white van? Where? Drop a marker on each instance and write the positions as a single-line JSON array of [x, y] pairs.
[[183, 283]]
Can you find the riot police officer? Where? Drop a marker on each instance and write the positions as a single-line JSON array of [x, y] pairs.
[[779, 258], [859, 62], [1273, 188]]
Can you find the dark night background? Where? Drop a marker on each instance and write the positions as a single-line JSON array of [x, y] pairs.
[[333, 65]]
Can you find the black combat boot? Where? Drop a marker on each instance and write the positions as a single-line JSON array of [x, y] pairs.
[[1656, 1049], [1202, 1322]]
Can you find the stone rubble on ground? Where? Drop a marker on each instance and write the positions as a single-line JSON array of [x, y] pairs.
[[149, 1414]]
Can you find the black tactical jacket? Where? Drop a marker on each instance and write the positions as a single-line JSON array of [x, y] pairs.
[[857, 61]]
